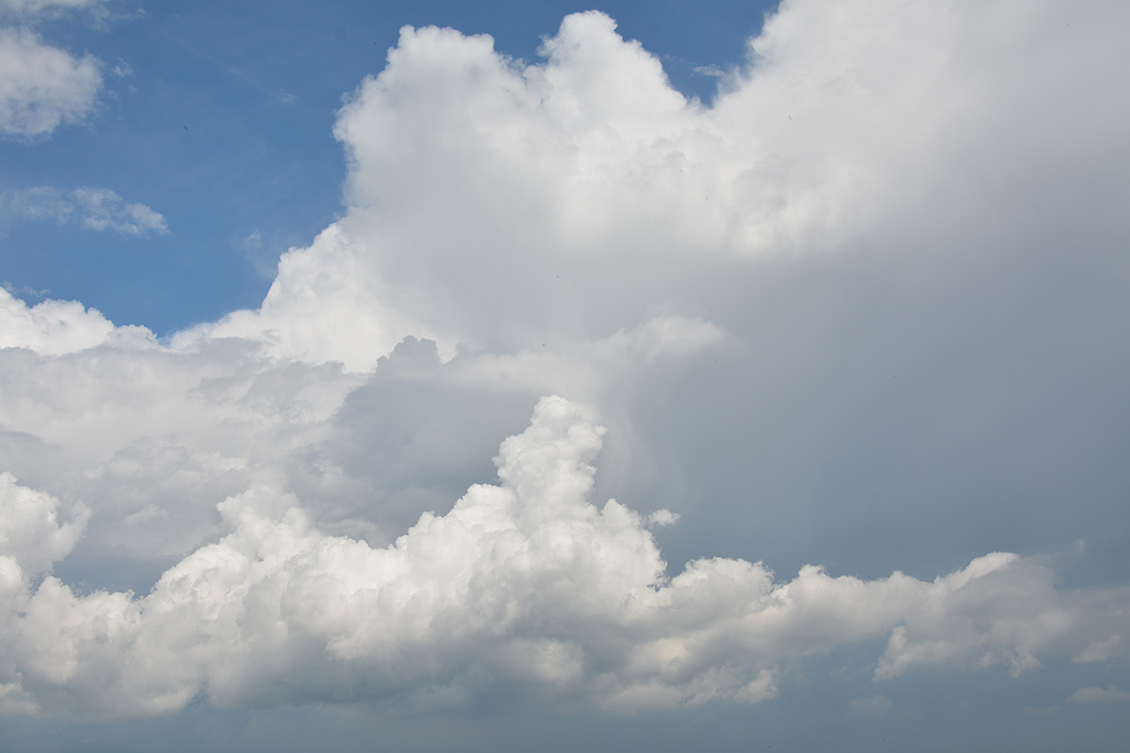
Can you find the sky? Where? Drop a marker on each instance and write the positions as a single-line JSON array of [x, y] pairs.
[[512, 376]]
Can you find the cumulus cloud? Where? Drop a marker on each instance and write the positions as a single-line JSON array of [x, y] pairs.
[[29, 532], [41, 86], [51, 327], [525, 582], [94, 208], [577, 227], [481, 186]]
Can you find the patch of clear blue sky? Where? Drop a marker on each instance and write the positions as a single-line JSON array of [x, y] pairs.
[[224, 127]]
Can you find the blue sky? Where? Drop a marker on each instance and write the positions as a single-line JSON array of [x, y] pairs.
[[648, 378]]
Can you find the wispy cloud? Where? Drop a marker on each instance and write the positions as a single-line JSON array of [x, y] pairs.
[[97, 209], [32, 7], [1097, 695], [1100, 651]]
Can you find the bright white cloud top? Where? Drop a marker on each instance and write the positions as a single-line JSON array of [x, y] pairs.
[[900, 221], [42, 86]]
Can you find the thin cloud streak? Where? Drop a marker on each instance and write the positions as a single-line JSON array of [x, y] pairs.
[[95, 209]]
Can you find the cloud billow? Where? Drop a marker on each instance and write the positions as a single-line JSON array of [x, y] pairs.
[[525, 582], [848, 314]]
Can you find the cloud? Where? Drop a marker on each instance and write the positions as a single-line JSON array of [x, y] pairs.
[[29, 532], [1100, 651], [710, 70], [96, 209], [847, 277], [42, 87], [1098, 695], [527, 582], [876, 704], [33, 7], [51, 327], [481, 186], [105, 210]]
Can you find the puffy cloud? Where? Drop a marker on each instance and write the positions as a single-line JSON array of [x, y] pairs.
[[29, 531], [102, 399], [50, 327], [864, 199], [97, 209], [527, 582], [42, 86], [584, 192], [321, 307]]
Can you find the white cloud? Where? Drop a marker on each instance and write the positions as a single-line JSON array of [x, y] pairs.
[[51, 327], [42, 87], [95, 208], [29, 531], [321, 307], [1098, 695], [105, 210], [481, 186], [525, 582], [573, 227]]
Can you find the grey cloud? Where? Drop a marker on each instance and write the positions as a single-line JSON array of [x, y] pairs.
[[1098, 695], [876, 704], [1098, 651]]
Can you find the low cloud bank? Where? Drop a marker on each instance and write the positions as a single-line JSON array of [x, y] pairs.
[[524, 583]]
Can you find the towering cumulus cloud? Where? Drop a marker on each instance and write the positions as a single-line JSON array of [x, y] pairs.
[[526, 582], [867, 308], [482, 186]]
